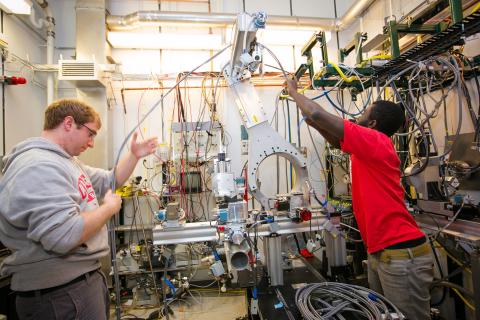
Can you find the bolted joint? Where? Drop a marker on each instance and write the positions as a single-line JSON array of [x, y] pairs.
[[50, 19], [43, 4]]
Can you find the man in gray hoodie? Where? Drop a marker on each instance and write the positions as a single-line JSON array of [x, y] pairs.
[[51, 219]]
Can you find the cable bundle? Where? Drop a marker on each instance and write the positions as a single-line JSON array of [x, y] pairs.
[[334, 300]]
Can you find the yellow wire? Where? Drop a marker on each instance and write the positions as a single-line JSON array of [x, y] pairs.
[[380, 57], [302, 91], [476, 8], [340, 72], [376, 57], [468, 304], [438, 245], [319, 74]]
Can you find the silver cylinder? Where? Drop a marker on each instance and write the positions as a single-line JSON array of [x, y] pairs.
[[189, 19], [273, 256], [237, 255]]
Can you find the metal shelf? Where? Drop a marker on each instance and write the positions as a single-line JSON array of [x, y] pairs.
[[437, 44]]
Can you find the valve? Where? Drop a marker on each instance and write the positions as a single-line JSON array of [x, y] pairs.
[[13, 80], [301, 215], [305, 215], [260, 19]]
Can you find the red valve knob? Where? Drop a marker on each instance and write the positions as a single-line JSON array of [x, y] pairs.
[[18, 80], [305, 215], [13, 80]]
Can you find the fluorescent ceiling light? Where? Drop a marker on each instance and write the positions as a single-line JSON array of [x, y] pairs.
[[283, 37], [287, 37], [16, 6], [131, 40]]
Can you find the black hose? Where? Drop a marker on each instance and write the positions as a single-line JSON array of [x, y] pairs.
[[447, 284], [424, 137], [296, 242], [441, 274]]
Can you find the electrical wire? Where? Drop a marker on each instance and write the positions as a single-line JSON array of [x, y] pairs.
[[335, 300], [122, 146], [452, 220]]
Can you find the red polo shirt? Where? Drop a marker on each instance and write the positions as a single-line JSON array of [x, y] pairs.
[[377, 194]]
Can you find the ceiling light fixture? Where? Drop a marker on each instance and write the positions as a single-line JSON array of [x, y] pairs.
[[16, 6], [178, 41]]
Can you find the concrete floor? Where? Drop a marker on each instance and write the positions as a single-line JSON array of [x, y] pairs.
[[206, 304]]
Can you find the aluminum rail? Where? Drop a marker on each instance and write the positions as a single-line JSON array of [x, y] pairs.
[[206, 231]]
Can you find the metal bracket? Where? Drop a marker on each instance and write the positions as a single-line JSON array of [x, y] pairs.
[[265, 142]]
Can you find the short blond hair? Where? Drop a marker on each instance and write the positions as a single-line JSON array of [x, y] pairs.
[[80, 111]]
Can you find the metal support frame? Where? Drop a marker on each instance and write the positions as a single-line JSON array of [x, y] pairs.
[[357, 84], [272, 232], [207, 231], [264, 140], [330, 71], [421, 28], [443, 38], [356, 43], [475, 260], [274, 260], [323, 47], [394, 28], [393, 34], [302, 69], [307, 52], [438, 43], [318, 37], [335, 251], [456, 10]]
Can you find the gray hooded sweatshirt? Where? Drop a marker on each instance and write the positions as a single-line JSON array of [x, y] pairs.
[[42, 193]]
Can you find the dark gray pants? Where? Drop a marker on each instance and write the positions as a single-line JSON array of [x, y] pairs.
[[406, 283], [87, 299]]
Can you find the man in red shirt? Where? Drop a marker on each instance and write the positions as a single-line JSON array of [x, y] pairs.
[[400, 263]]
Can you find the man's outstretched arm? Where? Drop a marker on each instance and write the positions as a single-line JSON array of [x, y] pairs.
[[330, 139], [327, 124], [138, 150]]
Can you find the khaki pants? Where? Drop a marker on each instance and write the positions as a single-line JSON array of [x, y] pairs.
[[405, 281]]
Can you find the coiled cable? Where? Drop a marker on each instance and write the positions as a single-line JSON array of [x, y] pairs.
[[335, 300]]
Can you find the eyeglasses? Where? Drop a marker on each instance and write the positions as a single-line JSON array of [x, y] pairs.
[[91, 133]]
